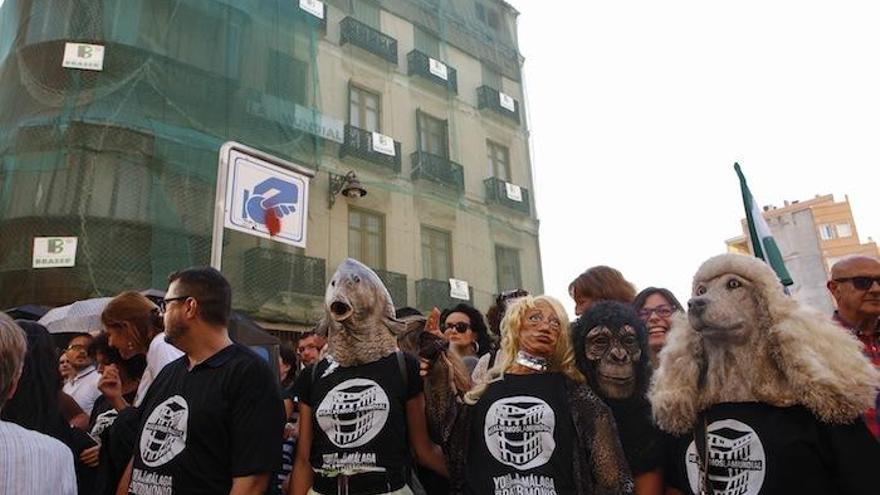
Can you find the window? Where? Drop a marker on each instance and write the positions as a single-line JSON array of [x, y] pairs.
[[492, 78], [364, 109], [426, 42], [488, 15], [843, 230], [436, 254], [366, 12], [287, 77], [366, 237], [826, 231], [499, 161], [432, 135], [507, 264]]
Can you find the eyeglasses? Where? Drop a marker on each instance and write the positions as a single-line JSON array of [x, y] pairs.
[[75, 347], [663, 311], [163, 303], [537, 318], [460, 327], [861, 282]]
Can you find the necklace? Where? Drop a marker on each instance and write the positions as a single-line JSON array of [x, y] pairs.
[[532, 362]]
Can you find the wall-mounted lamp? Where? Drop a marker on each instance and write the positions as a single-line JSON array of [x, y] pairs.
[[347, 184]]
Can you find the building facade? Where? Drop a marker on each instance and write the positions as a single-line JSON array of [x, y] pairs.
[[812, 235], [125, 158]]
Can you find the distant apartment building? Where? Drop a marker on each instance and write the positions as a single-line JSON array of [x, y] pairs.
[[812, 235]]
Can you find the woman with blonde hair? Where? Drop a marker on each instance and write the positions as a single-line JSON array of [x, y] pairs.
[[134, 326], [533, 424]]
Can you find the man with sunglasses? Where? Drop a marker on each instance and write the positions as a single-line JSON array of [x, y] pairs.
[[855, 286]]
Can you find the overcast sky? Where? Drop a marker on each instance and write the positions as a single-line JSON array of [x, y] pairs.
[[639, 109]]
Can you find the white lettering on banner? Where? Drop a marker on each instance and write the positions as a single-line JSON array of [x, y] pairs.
[[507, 101], [297, 116], [83, 56], [314, 7], [53, 252], [383, 144], [514, 192], [438, 68], [515, 484], [459, 289], [143, 483]]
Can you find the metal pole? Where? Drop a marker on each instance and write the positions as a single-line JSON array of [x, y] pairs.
[[220, 205]]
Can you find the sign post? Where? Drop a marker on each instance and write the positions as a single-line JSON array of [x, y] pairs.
[[261, 195]]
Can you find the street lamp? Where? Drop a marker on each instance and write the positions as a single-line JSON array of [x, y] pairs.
[[347, 184]]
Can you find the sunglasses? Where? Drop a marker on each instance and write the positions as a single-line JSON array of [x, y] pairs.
[[511, 294], [460, 327], [75, 347], [860, 283], [663, 311], [163, 303]]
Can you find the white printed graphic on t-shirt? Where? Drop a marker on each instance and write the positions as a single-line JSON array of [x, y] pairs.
[[164, 434], [353, 412], [103, 421], [531, 484], [519, 431], [737, 462]]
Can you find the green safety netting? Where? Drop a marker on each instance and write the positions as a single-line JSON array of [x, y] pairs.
[[125, 158]]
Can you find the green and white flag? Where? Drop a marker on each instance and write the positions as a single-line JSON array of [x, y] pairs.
[[762, 239]]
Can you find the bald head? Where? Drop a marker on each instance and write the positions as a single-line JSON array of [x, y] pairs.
[[855, 285], [854, 266]]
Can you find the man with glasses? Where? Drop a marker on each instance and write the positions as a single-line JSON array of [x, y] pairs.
[[212, 420], [83, 387], [855, 286]]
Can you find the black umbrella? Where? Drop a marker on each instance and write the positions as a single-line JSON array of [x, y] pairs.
[[27, 312]]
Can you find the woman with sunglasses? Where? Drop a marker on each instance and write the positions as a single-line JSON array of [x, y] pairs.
[[134, 326], [655, 306], [465, 329], [534, 426]]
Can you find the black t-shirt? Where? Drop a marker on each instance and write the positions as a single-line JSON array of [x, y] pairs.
[[521, 438], [200, 428], [103, 414], [758, 449], [359, 413]]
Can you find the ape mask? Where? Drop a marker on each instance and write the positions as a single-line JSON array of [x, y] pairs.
[[611, 349]]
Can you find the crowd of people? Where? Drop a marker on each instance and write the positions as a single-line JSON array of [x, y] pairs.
[[516, 400]]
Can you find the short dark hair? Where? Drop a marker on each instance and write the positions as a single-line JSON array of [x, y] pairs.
[[478, 324], [210, 288], [643, 296]]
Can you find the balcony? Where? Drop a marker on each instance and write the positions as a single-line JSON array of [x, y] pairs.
[[270, 271], [418, 63], [435, 293], [396, 284], [437, 169], [359, 144], [372, 40], [490, 98], [496, 192]]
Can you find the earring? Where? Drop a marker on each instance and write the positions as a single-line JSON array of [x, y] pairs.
[[476, 347]]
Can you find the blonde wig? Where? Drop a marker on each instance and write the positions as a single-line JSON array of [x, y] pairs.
[[561, 361]]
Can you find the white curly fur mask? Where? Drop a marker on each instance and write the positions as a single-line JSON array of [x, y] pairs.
[[744, 340]]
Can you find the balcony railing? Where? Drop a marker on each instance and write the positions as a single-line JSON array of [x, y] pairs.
[[435, 293], [272, 271], [437, 169], [418, 63], [496, 192], [488, 97], [372, 40], [396, 284], [359, 144]]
